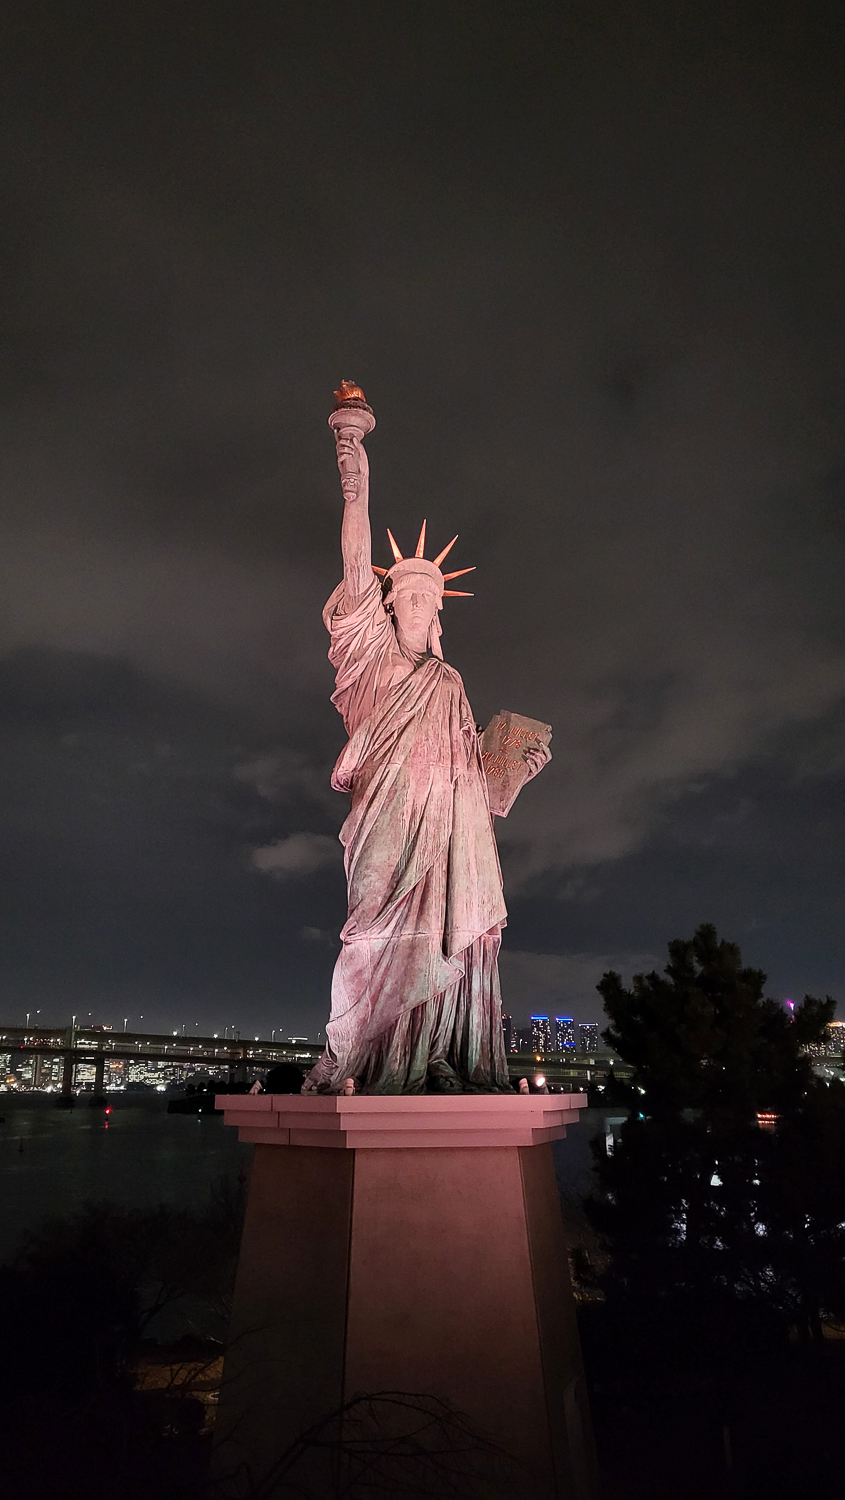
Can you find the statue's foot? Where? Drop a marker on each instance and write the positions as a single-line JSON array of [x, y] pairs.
[[320, 1079], [441, 1079], [485, 1083]]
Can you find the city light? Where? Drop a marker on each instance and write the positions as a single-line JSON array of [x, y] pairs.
[[541, 1034], [565, 1033], [95, 1060]]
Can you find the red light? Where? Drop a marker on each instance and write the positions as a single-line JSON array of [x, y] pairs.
[[108, 1110]]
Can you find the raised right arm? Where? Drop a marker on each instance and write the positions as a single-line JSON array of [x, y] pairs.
[[355, 540]]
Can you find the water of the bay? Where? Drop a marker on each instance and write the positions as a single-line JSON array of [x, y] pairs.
[[52, 1161]]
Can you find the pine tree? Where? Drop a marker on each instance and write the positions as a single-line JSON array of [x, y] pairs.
[[712, 1221]]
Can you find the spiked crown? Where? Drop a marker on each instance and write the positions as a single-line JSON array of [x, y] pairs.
[[403, 566]]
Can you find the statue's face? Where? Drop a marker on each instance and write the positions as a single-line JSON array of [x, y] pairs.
[[415, 604]]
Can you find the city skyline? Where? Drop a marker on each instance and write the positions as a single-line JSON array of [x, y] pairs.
[[193, 1059], [318, 900], [60, 1015], [609, 359]]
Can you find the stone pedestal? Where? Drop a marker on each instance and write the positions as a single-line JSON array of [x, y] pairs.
[[406, 1244]]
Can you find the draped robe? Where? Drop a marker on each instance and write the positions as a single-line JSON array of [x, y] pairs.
[[415, 993]]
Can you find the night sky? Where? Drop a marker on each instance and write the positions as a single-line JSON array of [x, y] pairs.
[[587, 263]]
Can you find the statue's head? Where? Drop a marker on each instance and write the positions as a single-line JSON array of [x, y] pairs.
[[414, 598], [413, 592]]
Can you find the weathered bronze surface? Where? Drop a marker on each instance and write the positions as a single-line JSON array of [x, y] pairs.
[[416, 1003]]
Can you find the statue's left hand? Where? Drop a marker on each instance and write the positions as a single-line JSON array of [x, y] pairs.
[[536, 757]]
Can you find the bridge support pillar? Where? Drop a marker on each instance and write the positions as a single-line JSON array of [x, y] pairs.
[[99, 1077], [67, 1073]]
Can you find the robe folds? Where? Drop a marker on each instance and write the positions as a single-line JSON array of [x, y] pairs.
[[415, 989]]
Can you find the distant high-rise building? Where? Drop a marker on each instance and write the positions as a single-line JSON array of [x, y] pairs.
[[588, 1038], [564, 1033], [509, 1033], [522, 1039], [541, 1034]]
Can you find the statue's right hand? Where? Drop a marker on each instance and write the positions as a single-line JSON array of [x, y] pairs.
[[352, 463]]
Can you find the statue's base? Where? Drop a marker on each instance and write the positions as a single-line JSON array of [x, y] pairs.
[[406, 1244]]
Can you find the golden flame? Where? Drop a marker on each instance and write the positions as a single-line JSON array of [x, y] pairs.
[[349, 391]]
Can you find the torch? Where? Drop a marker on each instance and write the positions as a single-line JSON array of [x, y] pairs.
[[351, 419]]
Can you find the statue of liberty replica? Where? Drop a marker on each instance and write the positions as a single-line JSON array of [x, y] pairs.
[[416, 1004]]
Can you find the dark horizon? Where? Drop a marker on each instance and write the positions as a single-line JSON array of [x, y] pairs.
[[586, 265]]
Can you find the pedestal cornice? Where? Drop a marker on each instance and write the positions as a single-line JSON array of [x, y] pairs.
[[391, 1121]]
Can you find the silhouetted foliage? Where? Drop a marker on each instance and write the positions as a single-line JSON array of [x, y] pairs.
[[714, 1224], [725, 1242], [74, 1304], [389, 1442], [165, 1253], [71, 1320], [285, 1078]]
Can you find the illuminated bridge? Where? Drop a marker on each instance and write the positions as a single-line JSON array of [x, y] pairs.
[[237, 1057], [234, 1055]]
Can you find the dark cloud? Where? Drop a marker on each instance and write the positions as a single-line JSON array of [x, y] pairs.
[[758, 850], [587, 264], [129, 873]]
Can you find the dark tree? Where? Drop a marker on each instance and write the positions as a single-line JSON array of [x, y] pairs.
[[387, 1443], [715, 1224], [74, 1304]]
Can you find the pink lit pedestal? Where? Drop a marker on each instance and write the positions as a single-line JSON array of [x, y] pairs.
[[414, 1244]]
